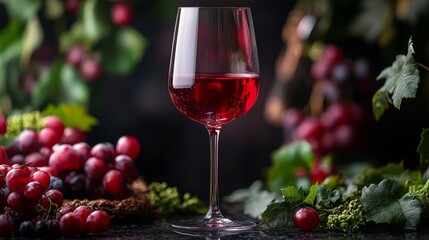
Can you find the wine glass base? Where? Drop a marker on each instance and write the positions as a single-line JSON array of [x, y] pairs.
[[212, 227]]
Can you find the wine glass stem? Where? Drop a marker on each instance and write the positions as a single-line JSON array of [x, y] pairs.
[[214, 210]]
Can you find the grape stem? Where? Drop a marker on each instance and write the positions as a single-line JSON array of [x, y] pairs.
[[423, 66]]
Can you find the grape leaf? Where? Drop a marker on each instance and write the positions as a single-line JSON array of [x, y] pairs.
[[402, 80], [292, 195], [285, 161], [72, 115], [312, 194], [423, 147], [384, 203], [277, 215]]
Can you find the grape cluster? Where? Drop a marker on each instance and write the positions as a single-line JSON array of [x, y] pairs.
[[349, 217], [342, 77]]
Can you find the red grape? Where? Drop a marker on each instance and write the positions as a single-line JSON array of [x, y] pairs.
[[18, 202], [90, 69], [33, 190], [128, 145], [28, 141], [105, 151], [18, 159], [6, 225], [4, 194], [16, 179], [3, 124], [41, 177], [36, 159], [98, 221], [72, 7], [83, 212], [332, 54], [71, 225], [54, 122], [73, 135], [65, 158], [55, 196], [3, 156], [63, 211], [83, 149], [336, 114], [307, 219], [309, 129], [113, 181], [122, 13], [95, 168], [75, 55], [126, 166], [12, 149], [48, 137]]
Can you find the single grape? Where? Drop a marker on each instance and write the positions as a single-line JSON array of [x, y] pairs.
[[128, 145], [83, 149], [306, 218], [28, 141], [6, 225], [33, 190], [55, 196], [41, 177], [12, 149], [17, 179], [95, 168], [55, 123], [48, 137], [72, 7], [105, 151], [122, 13], [26, 229], [71, 225], [113, 181], [42, 228], [126, 166], [46, 151], [320, 70], [332, 54], [63, 211], [336, 114], [75, 55], [56, 183], [345, 136], [309, 129], [51, 171], [54, 228], [18, 202], [17, 159], [4, 194], [65, 158], [36, 159], [83, 212], [75, 181], [90, 69], [98, 221], [72, 135]]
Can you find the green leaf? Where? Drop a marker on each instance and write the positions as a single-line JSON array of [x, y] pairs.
[[380, 103], [285, 161], [73, 88], [22, 9], [48, 85], [277, 215], [423, 147], [312, 194], [95, 19], [384, 203], [33, 37], [292, 195], [402, 78], [326, 198], [72, 116], [124, 51], [10, 34]]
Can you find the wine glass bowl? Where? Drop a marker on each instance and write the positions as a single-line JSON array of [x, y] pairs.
[[214, 79]]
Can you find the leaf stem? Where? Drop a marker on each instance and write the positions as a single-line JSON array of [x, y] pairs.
[[423, 66]]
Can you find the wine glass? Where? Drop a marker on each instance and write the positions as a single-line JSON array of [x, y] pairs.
[[214, 79]]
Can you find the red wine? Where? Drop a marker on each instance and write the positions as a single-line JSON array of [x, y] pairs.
[[214, 99]]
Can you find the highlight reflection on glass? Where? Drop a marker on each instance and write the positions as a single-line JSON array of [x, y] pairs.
[[214, 79]]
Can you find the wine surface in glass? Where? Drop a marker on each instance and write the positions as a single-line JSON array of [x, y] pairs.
[[214, 99]]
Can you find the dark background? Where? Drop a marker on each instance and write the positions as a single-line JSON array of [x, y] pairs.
[[175, 149]]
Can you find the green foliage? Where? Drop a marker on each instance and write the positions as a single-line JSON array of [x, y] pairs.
[[72, 115], [17, 122], [385, 203], [348, 217], [167, 200], [402, 80], [391, 171], [286, 160], [421, 192]]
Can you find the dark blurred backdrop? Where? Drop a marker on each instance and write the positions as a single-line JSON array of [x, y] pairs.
[[176, 149]]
